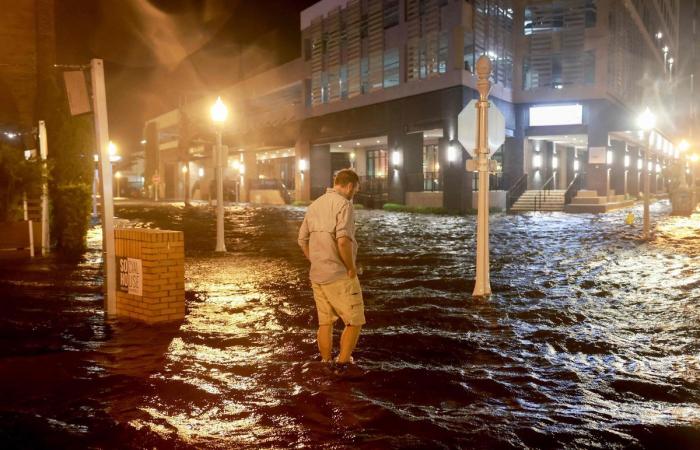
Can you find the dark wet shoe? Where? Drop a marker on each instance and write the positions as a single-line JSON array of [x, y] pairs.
[[348, 370]]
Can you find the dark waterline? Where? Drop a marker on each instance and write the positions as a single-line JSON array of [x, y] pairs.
[[591, 339]]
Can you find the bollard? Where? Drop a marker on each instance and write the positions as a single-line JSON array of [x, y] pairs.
[[150, 274]]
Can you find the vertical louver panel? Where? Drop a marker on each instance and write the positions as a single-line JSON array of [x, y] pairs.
[[316, 35], [353, 16], [375, 30], [331, 28], [413, 42]]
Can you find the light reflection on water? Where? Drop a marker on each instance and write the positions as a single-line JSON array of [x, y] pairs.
[[590, 339]]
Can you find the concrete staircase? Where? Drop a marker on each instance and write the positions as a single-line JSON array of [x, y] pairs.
[[587, 201], [537, 200]]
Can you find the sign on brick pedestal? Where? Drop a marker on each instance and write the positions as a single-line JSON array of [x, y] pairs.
[[130, 275], [151, 274]]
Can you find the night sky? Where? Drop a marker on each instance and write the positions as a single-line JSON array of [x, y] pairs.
[[160, 52]]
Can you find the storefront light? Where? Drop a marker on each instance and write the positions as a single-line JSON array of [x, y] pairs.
[[576, 165], [658, 168], [241, 169], [302, 165], [537, 161], [451, 153], [201, 172], [184, 169], [640, 164], [627, 160], [395, 158], [650, 166], [609, 157], [555, 162]]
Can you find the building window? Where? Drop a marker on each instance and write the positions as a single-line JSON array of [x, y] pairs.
[[343, 80], [324, 87], [377, 163], [559, 70], [364, 75], [431, 168], [391, 67], [443, 50], [391, 13], [552, 16]]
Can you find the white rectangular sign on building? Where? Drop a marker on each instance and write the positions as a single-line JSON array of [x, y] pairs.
[[597, 155], [542, 116]]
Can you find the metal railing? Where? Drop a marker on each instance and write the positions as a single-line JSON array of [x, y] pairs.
[[573, 188], [544, 192], [515, 192]]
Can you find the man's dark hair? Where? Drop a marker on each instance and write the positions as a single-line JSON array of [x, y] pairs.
[[345, 176]]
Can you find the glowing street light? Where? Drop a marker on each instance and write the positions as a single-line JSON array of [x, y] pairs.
[[113, 152], [219, 113], [646, 122]]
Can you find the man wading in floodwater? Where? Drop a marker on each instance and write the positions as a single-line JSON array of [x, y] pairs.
[[327, 237]]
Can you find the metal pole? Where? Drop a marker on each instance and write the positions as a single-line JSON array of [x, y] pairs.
[[95, 180], [482, 287], [693, 199], [645, 233], [220, 244], [99, 99], [43, 150]]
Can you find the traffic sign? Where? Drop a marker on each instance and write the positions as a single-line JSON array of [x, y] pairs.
[[467, 128]]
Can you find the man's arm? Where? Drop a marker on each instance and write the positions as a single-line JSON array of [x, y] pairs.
[[345, 251], [303, 239]]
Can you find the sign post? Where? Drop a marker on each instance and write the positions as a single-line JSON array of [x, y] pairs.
[[43, 152], [99, 99], [481, 130]]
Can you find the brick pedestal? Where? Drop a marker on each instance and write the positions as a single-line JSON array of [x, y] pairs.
[[150, 274]]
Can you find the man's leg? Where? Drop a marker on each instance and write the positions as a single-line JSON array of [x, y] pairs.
[[348, 341], [325, 341]]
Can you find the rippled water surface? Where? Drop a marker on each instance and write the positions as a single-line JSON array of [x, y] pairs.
[[591, 339]]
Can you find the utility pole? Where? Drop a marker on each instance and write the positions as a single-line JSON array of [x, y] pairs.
[[99, 100]]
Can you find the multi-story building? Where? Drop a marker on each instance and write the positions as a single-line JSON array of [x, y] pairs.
[[27, 53], [380, 83]]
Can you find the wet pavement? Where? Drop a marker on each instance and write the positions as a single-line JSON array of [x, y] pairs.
[[590, 340]]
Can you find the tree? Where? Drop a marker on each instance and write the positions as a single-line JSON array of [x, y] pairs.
[[17, 177], [71, 146]]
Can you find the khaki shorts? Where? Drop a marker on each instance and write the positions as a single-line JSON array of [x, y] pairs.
[[342, 298]]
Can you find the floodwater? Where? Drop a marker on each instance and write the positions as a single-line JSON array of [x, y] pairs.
[[590, 340]]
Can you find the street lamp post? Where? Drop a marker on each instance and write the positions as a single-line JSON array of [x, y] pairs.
[[646, 122], [118, 176], [219, 113]]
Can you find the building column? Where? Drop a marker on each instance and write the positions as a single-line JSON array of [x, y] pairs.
[[302, 181], [597, 172], [561, 153], [618, 172], [250, 162], [633, 172], [320, 176], [456, 181], [409, 150]]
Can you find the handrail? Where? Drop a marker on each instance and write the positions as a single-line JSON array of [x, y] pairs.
[[516, 191], [544, 191], [572, 189]]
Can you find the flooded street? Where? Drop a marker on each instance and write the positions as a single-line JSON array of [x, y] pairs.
[[590, 340]]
